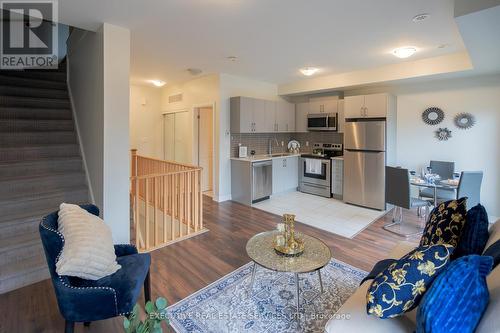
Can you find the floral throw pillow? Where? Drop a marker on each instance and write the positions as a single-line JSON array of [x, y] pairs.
[[445, 224], [400, 287]]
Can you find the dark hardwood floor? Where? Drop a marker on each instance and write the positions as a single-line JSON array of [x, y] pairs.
[[185, 267]]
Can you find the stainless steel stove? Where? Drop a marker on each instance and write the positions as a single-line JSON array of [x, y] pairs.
[[315, 169]]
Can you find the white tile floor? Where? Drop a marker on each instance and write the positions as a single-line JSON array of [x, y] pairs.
[[323, 213]]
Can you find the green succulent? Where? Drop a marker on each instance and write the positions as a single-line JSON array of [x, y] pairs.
[[156, 314]]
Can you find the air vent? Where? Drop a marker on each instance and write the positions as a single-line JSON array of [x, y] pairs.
[[175, 98]]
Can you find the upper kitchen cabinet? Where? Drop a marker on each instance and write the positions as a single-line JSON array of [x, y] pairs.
[[285, 117], [301, 112], [242, 117], [323, 105], [366, 106], [253, 115]]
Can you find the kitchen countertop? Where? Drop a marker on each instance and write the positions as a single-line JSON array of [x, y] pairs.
[[338, 158], [267, 157]]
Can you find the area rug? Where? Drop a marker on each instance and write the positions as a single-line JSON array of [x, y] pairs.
[[227, 305]]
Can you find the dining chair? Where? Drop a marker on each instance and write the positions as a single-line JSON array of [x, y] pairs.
[[445, 170], [397, 193], [470, 186]]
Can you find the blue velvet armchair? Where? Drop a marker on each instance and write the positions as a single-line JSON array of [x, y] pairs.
[[85, 301]]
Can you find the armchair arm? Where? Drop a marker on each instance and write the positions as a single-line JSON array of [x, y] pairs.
[[79, 304], [125, 250]]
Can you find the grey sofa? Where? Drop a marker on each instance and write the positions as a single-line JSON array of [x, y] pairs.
[[358, 321]]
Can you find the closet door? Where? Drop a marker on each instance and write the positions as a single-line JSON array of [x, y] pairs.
[[182, 132], [169, 136]]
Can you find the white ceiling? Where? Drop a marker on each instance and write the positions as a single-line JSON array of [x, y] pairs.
[[271, 38]]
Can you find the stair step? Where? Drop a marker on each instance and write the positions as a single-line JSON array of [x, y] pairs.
[[33, 92], [34, 152], [26, 273], [34, 102], [49, 75], [12, 269], [40, 167], [20, 247], [31, 82], [21, 225], [15, 207], [30, 138], [32, 186], [35, 113], [25, 125]]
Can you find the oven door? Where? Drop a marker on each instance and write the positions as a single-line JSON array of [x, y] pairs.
[[317, 122], [323, 178]]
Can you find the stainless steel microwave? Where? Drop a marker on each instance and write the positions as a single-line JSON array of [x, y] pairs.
[[322, 122]]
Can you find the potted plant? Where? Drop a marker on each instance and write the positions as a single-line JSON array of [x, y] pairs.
[[156, 313]]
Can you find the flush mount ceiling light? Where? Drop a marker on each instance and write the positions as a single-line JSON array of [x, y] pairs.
[[420, 17], [158, 83], [232, 58], [194, 71], [308, 71], [404, 52]]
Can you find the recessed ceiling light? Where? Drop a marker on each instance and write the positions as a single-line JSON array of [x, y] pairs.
[[158, 83], [420, 17], [404, 52], [232, 58], [194, 71], [308, 71]]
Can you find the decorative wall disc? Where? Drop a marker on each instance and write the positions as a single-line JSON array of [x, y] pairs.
[[433, 116], [443, 134], [464, 120]]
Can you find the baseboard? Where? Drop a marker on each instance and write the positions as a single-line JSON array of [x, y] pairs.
[[222, 198], [77, 128]]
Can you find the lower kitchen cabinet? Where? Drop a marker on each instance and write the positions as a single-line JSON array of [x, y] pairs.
[[285, 174]]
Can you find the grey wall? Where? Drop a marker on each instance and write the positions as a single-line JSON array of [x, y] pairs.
[[99, 64], [85, 62]]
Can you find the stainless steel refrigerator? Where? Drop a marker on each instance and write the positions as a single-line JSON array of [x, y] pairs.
[[364, 162]]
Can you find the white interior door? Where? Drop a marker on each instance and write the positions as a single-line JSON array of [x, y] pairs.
[[205, 147], [169, 136]]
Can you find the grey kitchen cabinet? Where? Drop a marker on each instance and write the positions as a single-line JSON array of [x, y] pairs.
[[341, 116], [248, 115], [323, 105], [285, 174], [285, 117], [254, 115], [242, 117], [301, 112], [366, 106]]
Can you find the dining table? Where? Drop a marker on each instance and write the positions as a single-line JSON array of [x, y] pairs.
[[446, 184]]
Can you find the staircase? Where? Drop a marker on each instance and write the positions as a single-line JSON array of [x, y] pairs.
[[40, 167]]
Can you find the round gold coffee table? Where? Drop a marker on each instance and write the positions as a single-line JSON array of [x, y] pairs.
[[316, 255]]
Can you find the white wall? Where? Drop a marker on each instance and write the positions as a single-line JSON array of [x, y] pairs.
[[116, 70], [475, 149], [98, 74], [146, 121]]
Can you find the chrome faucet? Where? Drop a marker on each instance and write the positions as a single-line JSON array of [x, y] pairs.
[[270, 145]]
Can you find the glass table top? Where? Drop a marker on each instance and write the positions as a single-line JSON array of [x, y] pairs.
[[315, 256]]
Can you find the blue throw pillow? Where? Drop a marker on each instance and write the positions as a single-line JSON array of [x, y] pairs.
[[474, 234], [400, 286], [445, 223], [458, 297]]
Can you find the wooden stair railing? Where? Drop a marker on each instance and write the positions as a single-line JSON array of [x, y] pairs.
[[166, 200]]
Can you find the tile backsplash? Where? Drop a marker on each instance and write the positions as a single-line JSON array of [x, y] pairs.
[[259, 142]]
